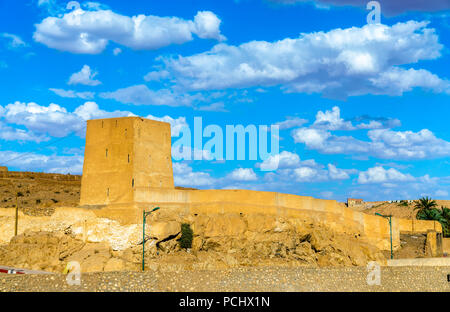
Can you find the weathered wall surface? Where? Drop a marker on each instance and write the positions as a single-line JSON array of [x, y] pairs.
[[128, 168], [446, 245], [122, 154], [316, 211], [411, 226]]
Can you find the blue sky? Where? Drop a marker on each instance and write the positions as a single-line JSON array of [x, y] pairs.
[[363, 109]]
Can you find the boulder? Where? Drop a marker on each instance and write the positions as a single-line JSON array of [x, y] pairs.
[[163, 230]]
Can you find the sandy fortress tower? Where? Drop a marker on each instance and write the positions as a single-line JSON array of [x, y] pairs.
[[124, 156], [128, 168]]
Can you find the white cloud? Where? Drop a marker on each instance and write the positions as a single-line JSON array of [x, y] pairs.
[[384, 142], [282, 160], [331, 120], [56, 121], [8, 133], [85, 77], [290, 168], [186, 177], [156, 75], [89, 32], [338, 63], [243, 174], [87, 95], [207, 26], [380, 175], [291, 122], [14, 41], [46, 163], [337, 174], [142, 95]]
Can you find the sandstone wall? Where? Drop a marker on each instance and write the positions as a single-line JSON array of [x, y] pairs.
[[411, 226], [446, 245], [315, 211]]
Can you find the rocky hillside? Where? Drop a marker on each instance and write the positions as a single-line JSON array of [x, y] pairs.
[[219, 241]]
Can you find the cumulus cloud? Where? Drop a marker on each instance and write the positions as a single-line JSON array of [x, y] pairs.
[[384, 142], [332, 120], [282, 160], [185, 176], [380, 175], [338, 63], [8, 133], [45, 163], [54, 120], [88, 32], [243, 174], [388, 7], [290, 168], [85, 77]]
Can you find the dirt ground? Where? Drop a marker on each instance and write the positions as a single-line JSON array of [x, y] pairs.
[[266, 279], [38, 194]]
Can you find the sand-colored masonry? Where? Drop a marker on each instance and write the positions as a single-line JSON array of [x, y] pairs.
[[128, 168]]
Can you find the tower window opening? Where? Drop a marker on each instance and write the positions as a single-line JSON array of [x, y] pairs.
[[132, 183], [106, 153], [116, 123], [107, 192], [125, 132], [128, 158], [102, 123]]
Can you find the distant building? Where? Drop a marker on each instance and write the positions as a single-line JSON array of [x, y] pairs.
[[3, 169], [352, 202]]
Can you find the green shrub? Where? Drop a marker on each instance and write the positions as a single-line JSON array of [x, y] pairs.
[[186, 236]]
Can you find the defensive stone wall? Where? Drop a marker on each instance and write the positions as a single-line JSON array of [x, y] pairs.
[[38, 175], [128, 168], [316, 211]]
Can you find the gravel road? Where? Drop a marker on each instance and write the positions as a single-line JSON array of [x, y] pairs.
[[242, 279]]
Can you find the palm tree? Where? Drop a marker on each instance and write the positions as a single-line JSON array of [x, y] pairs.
[[424, 204]]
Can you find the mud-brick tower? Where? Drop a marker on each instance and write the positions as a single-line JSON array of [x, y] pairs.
[[123, 155]]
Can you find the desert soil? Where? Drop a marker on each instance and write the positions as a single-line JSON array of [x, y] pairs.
[[38, 194], [267, 279]]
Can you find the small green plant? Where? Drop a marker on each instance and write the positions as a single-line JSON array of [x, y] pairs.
[[403, 203], [186, 236]]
